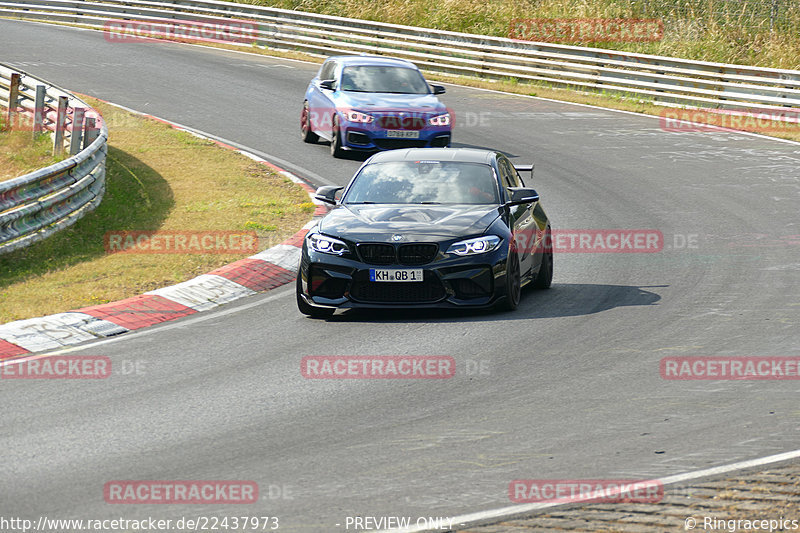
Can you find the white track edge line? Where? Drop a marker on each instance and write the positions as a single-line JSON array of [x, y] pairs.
[[179, 323], [484, 517]]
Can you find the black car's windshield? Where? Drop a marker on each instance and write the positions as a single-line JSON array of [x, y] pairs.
[[423, 182], [382, 79]]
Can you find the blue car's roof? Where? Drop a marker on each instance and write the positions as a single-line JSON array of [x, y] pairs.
[[373, 60]]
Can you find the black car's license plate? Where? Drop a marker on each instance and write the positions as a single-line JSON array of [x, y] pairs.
[[394, 275]]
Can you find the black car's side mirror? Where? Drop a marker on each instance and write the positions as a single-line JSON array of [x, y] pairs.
[[522, 195], [438, 89], [327, 194], [327, 84]]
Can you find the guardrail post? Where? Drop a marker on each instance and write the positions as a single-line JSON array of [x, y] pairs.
[[773, 14], [90, 131], [77, 130], [38, 110], [61, 122], [13, 97]]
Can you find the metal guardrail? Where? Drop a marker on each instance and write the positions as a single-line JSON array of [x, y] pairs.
[[38, 204], [661, 80]]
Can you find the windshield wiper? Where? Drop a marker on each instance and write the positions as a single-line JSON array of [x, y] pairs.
[[430, 203], [360, 202]]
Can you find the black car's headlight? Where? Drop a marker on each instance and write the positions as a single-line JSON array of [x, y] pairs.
[[479, 245], [327, 245]]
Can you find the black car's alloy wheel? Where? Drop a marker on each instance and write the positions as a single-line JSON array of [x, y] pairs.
[[305, 308], [305, 125], [513, 283]]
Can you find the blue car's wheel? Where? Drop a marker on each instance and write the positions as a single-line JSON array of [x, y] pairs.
[[336, 139], [306, 132]]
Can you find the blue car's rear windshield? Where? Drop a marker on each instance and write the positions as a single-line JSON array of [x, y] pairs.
[[423, 182], [382, 79]]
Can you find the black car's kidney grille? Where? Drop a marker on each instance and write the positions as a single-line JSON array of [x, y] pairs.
[[406, 254], [417, 254], [377, 254], [429, 290]]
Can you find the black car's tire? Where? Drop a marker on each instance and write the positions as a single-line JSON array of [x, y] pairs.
[[309, 310], [336, 140], [545, 276], [305, 126], [513, 283]]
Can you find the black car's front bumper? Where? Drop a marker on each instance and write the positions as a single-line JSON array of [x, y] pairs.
[[448, 281]]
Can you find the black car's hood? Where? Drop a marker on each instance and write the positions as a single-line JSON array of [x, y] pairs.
[[377, 223]]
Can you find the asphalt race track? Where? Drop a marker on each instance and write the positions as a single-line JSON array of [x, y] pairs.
[[570, 386]]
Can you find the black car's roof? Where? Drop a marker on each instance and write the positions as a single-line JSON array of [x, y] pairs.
[[465, 155]]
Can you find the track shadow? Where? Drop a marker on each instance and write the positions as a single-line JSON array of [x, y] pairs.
[[352, 155], [136, 197], [562, 300]]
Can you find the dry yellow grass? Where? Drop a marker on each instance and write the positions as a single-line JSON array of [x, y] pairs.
[[712, 30], [157, 179]]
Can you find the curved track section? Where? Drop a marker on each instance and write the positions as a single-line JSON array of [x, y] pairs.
[[570, 387]]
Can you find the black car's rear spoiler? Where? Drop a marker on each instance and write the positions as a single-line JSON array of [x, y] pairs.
[[525, 168]]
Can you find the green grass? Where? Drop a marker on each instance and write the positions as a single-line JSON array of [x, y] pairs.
[[157, 179], [20, 153]]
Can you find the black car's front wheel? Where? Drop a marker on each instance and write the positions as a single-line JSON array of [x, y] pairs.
[[307, 309], [513, 283], [545, 276]]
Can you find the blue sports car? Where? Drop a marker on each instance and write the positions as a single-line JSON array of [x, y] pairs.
[[371, 103]]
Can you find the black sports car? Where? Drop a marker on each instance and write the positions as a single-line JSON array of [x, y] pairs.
[[426, 227]]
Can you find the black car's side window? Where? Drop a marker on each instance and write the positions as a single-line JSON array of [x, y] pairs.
[[508, 174]]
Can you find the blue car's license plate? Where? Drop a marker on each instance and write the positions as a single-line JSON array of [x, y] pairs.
[[393, 275], [402, 134]]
